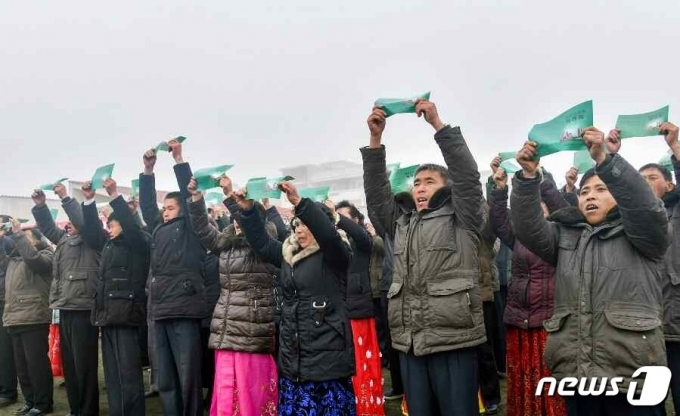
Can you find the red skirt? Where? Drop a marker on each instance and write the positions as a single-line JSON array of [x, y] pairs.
[[55, 352], [525, 368], [368, 380]]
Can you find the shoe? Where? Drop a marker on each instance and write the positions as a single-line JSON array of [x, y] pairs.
[[38, 412], [392, 395], [502, 376], [492, 409], [6, 401], [23, 410], [150, 394]]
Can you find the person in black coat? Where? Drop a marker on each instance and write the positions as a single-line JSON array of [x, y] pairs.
[[177, 291], [119, 308], [316, 355]]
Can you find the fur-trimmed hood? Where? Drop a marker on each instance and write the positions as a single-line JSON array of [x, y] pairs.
[[292, 253]]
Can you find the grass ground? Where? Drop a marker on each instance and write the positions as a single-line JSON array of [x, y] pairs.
[[153, 406]]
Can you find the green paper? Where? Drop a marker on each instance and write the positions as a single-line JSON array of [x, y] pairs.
[[564, 131], [213, 198], [209, 178], [507, 156], [50, 186], [391, 168], [259, 188], [402, 179], [392, 106], [55, 213], [165, 147], [134, 188], [6, 226], [582, 161], [316, 194], [510, 166], [642, 125], [101, 174]]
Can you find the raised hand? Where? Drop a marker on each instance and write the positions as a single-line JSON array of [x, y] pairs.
[[61, 191], [38, 197], [570, 177], [594, 140], [227, 186], [429, 110], [500, 178], [241, 199], [16, 225], [111, 188], [376, 124], [191, 188], [149, 161], [495, 164], [614, 141], [176, 149], [265, 203], [331, 206], [526, 157], [291, 193], [670, 132], [88, 192]]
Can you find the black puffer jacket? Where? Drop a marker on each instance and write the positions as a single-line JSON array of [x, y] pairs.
[[243, 318], [671, 278], [177, 287], [315, 337], [124, 267], [75, 263], [358, 299]]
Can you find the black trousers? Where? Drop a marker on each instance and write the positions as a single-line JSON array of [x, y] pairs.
[[488, 375], [381, 328], [8, 374], [33, 364], [673, 355], [609, 406], [80, 356], [123, 371], [392, 355], [440, 384], [499, 345], [153, 358], [179, 352]]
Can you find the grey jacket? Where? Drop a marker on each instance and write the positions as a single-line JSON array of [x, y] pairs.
[[27, 282], [75, 264], [671, 283], [434, 300], [608, 301]]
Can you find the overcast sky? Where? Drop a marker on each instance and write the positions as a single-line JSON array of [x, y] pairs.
[[267, 84]]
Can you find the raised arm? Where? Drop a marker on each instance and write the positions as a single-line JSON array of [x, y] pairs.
[[275, 218], [44, 220], [206, 232], [552, 197], [644, 217], [93, 230], [6, 246], [535, 232], [383, 210], [39, 262], [361, 238], [263, 245], [147, 192], [132, 230], [71, 207], [500, 216]]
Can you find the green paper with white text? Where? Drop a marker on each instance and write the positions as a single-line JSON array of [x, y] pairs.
[[564, 131]]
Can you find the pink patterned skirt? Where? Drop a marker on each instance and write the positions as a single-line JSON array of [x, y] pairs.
[[245, 384]]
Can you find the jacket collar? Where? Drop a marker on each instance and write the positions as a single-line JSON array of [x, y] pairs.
[[670, 200], [439, 199], [292, 253], [572, 217]]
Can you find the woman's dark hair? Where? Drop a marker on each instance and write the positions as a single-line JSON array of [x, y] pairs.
[[353, 211]]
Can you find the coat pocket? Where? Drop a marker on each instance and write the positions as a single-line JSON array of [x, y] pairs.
[[119, 307], [395, 305], [326, 330], [631, 338], [562, 343], [450, 304], [80, 284]]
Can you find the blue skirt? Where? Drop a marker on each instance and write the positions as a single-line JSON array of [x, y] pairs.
[[316, 398]]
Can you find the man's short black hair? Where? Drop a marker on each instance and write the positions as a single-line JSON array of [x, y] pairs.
[[444, 172], [353, 211], [112, 217], [664, 171]]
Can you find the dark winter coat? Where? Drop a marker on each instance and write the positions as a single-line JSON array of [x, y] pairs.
[[124, 267], [177, 287], [434, 301], [608, 312], [315, 336]]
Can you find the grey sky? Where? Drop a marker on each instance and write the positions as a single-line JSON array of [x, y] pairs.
[[278, 83]]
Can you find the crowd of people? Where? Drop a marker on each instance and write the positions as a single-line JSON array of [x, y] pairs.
[[249, 314]]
